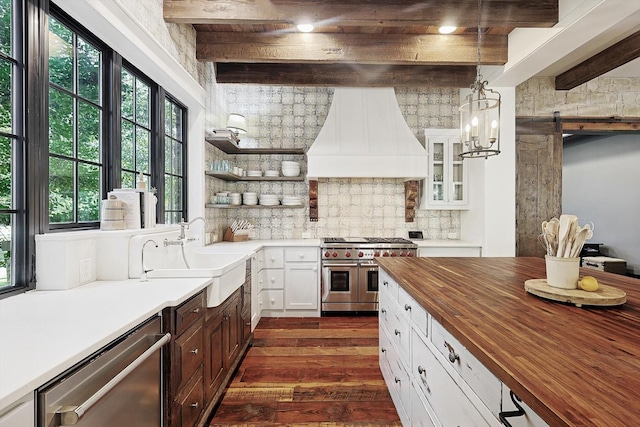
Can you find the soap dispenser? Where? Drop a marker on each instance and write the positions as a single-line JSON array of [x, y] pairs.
[[141, 184]]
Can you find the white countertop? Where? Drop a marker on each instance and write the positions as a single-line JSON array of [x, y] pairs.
[[446, 244], [43, 333]]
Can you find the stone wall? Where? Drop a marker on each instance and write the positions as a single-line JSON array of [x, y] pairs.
[[601, 97]]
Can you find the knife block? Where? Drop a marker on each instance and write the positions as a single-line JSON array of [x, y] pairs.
[[229, 236]]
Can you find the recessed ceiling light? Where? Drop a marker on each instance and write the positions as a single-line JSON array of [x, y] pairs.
[[305, 28], [447, 29]]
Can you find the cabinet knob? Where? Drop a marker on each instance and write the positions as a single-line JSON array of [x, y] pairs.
[[407, 307], [421, 370], [383, 310], [301, 256], [397, 332], [195, 405], [273, 259], [385, 283], [194, 351], [196, 310], [453, 356], [397, 380], [384, 350]]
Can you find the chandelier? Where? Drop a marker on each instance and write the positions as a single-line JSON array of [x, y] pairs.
[[480, 115]]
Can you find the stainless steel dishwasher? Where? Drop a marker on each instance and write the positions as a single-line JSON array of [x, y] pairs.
[[120, 385]]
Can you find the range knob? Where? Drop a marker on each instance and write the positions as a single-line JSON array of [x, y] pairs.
[[402, 253], [385, 254], [327, 254], [377, 253], [393, 254], [335, 254], [348, 254], [410, 254], [360, 254]]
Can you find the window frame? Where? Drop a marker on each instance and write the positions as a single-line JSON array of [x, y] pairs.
[[161, 180]]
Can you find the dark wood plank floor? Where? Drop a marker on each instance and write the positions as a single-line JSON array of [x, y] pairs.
[[312, 372]]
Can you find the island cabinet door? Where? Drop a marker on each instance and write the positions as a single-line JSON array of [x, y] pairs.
[[484, 384], [450, 405]]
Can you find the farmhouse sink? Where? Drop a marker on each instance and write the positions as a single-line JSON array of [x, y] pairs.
[[227, 270]]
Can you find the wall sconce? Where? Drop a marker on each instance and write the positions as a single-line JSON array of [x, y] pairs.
[[237, 124]]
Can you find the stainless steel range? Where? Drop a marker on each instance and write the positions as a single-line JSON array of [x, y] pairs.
[[350, 272]]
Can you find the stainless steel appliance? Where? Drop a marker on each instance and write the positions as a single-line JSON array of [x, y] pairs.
[[349, 278], [121, 385]]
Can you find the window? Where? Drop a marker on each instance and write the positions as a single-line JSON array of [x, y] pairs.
[[174, 155], [12, 202], [75, 122], [135, 129]]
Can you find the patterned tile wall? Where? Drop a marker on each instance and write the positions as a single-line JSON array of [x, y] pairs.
[[288, 117]]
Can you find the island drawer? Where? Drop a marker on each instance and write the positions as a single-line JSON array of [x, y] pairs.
[[188, 351], [414, 310], [387, 284], [485, 385], [451, 406]]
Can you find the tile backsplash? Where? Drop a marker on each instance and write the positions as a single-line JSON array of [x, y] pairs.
[[291, 117]]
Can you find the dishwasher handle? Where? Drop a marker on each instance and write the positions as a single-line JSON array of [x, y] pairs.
[[70, 415]]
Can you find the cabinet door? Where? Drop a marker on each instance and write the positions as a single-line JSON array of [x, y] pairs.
[[301, 285], [232, 331], [214, 357], [447, 181]]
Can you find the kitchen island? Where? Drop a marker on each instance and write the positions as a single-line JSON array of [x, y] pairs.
[[572, 366]]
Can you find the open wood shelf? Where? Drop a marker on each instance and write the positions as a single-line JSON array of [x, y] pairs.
[[229, 147], [211, 205], [232, 177]]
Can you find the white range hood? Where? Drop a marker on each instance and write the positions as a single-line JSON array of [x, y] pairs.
[[366, 136]]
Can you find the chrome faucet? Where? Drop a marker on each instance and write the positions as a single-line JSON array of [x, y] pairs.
[[182, 237], [144, 271]]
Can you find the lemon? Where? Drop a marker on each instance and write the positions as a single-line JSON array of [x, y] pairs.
[[588, 283]]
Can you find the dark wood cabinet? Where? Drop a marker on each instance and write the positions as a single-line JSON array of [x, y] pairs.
[[184, 390], [206, 348]]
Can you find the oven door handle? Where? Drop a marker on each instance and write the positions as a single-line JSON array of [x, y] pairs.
[[71, 415], [339, 265]]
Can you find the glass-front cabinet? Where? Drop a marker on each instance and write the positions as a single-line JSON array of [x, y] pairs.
[[447, 184]]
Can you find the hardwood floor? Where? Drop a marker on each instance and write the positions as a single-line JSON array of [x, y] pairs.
[[312, 372]]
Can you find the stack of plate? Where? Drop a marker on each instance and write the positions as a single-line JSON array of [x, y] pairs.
[[235, 199], [290, 168], [271, 173], [254, 173], [269, 200], [250, 198], [291, 201]]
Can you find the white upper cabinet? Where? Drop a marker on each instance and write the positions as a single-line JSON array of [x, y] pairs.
[[446, 186]]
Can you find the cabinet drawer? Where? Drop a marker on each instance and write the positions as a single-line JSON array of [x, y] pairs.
[[485, 385], [271, 279], [396, 377], [401, 333], [387, 284], [415, 312], [421, 413], [188, 313], [188, 353], [450, 405], [301, 254], [191, 402], [271, 258], [272, 299], [385, 317]]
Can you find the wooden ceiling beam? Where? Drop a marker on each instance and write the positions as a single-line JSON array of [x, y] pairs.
[[611, 58], [352, 75], [361, 48], [462, 13]]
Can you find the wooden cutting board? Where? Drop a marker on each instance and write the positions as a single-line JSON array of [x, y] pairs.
[[604, 296]]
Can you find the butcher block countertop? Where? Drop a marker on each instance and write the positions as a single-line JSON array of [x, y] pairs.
[[573, 366]]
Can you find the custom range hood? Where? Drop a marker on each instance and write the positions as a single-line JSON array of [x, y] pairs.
[[366, 136]]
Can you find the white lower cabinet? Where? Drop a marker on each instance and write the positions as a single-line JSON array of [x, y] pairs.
[[433, 379], [289, 281]]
